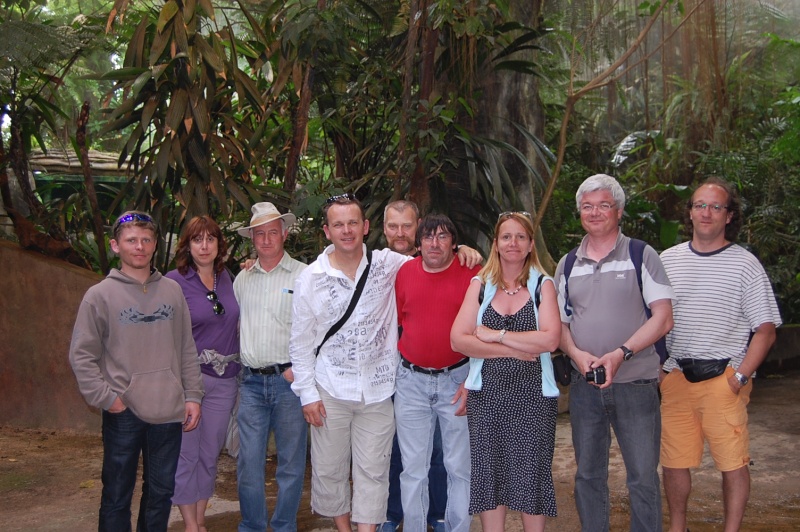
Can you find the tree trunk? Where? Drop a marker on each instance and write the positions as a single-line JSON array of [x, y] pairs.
[[97, 217], [514, 97]]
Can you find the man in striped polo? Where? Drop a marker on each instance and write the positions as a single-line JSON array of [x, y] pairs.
[[725, 321], [266, 401]]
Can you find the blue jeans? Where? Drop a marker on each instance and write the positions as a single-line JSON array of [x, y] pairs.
[[267, 403], [437, 482], [125, 437], [632, 409], [421, 400]]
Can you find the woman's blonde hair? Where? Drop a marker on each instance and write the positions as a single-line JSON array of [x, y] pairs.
[[493, 271]]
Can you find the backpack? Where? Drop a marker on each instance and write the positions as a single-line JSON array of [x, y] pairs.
[[636, 250]]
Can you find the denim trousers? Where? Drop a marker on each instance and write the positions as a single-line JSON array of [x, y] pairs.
[[421, 400], [200, 448], [267, 404], [437, 482], [632, 410], [125, 437]]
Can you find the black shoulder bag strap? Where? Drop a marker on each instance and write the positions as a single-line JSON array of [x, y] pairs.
[[353, 301]]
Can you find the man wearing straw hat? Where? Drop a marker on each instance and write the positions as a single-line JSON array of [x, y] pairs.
[[266, 401]]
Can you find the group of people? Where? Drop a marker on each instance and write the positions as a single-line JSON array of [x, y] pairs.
[[424, 380], [617, 298]]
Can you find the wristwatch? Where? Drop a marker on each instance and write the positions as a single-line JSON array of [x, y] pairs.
[[741, 377], [627, 354]]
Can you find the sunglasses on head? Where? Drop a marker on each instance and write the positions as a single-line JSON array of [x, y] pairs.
[[347, 196], [510, 213]]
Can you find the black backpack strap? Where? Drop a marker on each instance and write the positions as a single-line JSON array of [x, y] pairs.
[[351, 307], [569, 262], [636, 249]]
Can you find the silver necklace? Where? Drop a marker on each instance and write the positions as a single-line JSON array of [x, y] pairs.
[[513, 292]]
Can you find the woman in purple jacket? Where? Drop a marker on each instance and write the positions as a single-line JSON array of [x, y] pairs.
[[208, 288]]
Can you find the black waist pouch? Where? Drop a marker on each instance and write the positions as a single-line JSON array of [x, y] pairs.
[[699, 370]]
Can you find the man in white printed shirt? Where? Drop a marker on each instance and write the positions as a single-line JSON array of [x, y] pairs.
[[264, 294], [346, 391]]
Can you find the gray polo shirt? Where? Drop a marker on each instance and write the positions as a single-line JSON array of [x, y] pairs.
[[606, 304]]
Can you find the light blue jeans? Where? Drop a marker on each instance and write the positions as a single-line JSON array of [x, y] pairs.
[[632, 409], [419, 401], [267, 403]]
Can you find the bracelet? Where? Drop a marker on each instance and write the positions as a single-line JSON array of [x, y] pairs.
[[502, 334]]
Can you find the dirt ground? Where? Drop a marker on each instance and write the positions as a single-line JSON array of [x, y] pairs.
[[51, 480]]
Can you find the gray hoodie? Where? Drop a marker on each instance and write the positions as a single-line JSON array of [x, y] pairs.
[[134, 341]]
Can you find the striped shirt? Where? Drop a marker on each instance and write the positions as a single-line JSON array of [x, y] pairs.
[[722, 297], [265, 301], [360, 361]]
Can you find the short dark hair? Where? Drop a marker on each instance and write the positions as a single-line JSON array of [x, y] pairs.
[[341, 199], [432, 223], [199, 226], [734, 207]]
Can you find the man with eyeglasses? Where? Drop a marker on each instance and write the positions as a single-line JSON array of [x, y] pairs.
[[429, 292], [725, 321], [345, 375], [134, 358], [266, 401], [605, 327], [400, 221]]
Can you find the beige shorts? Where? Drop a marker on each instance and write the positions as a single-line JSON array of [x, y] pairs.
[[692, 413], [363, 433]]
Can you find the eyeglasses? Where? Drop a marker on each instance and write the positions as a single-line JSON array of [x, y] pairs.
[[510, 213], [347, 197], [217, 306], [715, 207], [602, 207], [440, 237], [131, 217]]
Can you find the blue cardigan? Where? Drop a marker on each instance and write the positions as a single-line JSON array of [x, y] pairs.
[[474, 380]]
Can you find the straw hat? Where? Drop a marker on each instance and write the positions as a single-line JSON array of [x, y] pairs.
[[264, 213]]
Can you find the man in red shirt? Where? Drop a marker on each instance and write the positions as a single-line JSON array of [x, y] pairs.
[[430, 290]]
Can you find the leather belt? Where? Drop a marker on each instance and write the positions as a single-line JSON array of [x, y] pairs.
[[429, 371], [271, 370]]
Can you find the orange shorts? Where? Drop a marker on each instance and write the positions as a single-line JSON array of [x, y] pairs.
[[692, 413]]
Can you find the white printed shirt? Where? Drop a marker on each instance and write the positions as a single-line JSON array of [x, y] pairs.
[[360, 360]]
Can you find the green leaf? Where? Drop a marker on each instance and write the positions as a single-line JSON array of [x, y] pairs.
[[140, 82], [167, 12]]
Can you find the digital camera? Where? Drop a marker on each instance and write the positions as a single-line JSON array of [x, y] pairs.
[[596, 375]]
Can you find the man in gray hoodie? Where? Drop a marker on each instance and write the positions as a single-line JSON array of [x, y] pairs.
[[134, 358]]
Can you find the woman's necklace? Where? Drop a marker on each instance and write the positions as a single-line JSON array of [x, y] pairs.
[[513, 292]]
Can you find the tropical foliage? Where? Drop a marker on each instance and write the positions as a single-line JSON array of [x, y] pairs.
[[470, 107]]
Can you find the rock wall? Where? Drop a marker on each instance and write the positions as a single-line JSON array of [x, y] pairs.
[[40, 297]]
